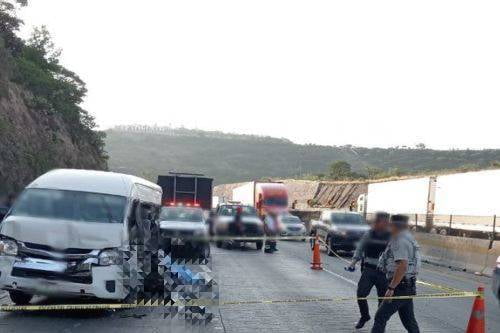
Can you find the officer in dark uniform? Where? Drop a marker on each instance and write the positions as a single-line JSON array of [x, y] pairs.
[[401, 264], [368, 251]]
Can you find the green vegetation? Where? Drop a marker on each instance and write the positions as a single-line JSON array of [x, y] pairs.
[[233, 158], [53, 88], [42, 125]]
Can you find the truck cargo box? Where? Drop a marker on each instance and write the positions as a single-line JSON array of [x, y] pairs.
[[408, 196], [470, 193], [186, 189]]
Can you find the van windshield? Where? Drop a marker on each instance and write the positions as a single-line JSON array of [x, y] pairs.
[[71, 205]]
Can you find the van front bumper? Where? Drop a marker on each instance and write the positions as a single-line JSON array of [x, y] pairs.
[[106, 282]]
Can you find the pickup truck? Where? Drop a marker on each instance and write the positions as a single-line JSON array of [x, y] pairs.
[[340, 230], [251, 224], [184, 232]]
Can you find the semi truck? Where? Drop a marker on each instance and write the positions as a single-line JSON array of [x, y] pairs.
[[466, 201], [187, 189], [265, 197]]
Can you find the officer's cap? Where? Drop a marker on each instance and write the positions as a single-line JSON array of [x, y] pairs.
[[381, 216], [399, 220]]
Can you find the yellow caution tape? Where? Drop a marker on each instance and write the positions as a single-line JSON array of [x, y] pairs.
[[465, 294], [423, 283], [200, 302]]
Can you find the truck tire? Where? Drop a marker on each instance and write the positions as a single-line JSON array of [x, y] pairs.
[[259, 245], [20, 298]]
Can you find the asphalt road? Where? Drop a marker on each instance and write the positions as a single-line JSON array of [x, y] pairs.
[[248, 275]]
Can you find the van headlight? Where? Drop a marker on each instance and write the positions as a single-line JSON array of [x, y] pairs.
[[8, 247], [109, 257]]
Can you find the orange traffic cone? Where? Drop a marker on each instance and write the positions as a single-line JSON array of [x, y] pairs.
[[477, 322], [316, 259]]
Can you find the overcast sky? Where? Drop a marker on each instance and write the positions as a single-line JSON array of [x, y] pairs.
[[369, 73]]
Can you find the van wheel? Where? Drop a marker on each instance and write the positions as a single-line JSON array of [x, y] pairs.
[[218, 244], [259, 245], [20, 298]]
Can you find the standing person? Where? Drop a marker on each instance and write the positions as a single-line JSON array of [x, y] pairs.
[[236, 228], [368, 251], [211, 223], [271, 228], [401, 264]]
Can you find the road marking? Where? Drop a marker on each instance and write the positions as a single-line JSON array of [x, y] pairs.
[[341, 277]]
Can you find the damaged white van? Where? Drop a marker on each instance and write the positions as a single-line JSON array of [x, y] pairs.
[[62, 236]]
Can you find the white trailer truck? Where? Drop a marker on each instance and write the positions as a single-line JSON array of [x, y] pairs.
[[466, 201]]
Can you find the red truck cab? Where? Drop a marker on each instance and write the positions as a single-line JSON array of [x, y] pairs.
[[271, 198]]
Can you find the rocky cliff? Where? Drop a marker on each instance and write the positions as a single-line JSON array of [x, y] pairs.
[[33, 141]]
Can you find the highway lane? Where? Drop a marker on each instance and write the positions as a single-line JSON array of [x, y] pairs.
[[442, 314], [250, 275]]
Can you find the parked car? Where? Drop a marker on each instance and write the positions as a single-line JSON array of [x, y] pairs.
[[292, 226], [340, 230], [184, 232], [495, 284], [226, 225], [63, 235]]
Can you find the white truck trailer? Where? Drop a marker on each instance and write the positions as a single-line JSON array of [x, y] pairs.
[[466, 201], [244, 194]]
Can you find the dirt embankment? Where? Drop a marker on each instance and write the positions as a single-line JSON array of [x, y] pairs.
[[34, 141]]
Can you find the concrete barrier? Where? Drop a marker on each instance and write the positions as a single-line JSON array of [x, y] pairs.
[[462, 253]]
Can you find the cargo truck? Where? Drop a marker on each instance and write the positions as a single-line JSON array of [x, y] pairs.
[[188, 189], [265, 197], [465, 201]]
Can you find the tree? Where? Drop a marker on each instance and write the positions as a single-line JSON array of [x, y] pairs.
[[420, 145], [373, 172], [10, 24], [340, 170]]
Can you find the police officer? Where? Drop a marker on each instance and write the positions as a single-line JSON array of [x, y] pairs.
[[401, 263], [368, 251]]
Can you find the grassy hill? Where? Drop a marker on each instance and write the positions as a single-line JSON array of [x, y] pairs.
[[149, 151]]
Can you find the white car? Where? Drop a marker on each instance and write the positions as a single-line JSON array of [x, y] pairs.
[[292, 226]]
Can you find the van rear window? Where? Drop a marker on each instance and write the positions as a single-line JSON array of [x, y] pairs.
[[71, 205]]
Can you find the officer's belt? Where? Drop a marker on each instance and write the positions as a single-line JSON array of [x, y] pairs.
[[407, 280]]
